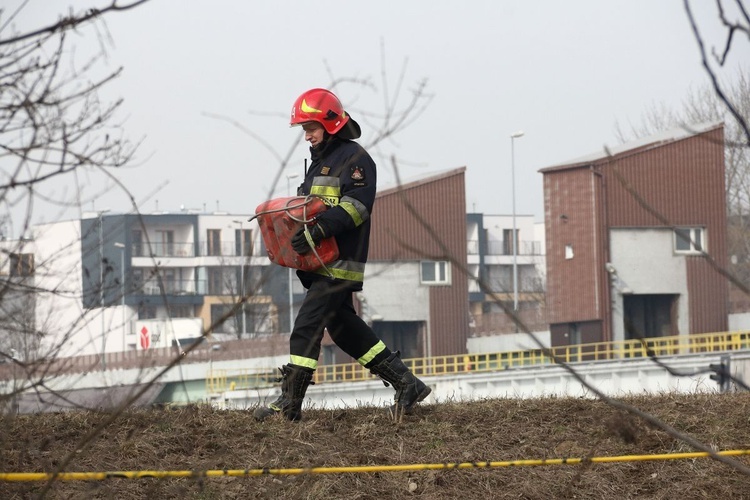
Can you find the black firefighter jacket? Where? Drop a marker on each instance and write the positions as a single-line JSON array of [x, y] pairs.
[[343, 174]]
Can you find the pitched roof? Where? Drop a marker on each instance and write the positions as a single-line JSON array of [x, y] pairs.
[[390, 189], [656, 140]]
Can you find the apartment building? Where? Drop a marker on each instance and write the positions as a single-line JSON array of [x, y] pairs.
[[636, 239], [117, 282], [505, 276]]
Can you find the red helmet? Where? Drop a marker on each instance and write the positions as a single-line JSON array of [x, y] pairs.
[[319, 105]]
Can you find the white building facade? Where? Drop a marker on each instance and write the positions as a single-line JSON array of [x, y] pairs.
[[118, 282]]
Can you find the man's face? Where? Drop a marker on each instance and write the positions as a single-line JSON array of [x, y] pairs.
[[314, 133]]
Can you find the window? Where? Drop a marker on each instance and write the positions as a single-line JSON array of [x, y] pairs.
[[500, 278], [242, 286], [222, 319], [508, 242], [435, 273], [689, 240], [328, 354], [146, 312], [213, 241], [181, 311], [136, 279], [257, 281], [137, 236], [215, 281], [243, 243], [568, 252], [165, 243], [169, 279], [259, 318]]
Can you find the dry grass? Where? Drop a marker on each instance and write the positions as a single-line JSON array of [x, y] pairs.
[[201, 438]]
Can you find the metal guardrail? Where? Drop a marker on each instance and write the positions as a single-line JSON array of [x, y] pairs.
[[219, 381]]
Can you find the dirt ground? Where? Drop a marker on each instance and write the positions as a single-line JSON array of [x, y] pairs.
[[199, 438]]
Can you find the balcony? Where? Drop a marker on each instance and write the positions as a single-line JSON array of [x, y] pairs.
[[153, 249], [189, 287], [228, 249], [175, 287], [502, 247], [187, 249]]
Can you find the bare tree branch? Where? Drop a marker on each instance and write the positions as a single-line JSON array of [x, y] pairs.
[[71, 21], [714, 80]]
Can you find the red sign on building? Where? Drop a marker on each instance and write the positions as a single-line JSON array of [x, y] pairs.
[[145, 338]]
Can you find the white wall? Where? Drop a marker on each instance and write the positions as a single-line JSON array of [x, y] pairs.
[[60, 315], [507, 342], [540, 235], [645, 263], [59, 312], [225, 222], [393, 292], [163, 332], [494, 224], [739, 321]]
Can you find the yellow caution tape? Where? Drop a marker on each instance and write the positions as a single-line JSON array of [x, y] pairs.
[[98, 476]]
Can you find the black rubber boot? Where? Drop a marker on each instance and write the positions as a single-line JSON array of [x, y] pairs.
[[409, 389], [294, 383]]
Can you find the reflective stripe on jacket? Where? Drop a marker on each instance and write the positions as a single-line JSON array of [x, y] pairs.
[[345, 177]]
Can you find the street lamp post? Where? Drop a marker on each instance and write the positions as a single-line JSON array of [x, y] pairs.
[[513, 137], [242, 275], [289, 177], [121, 246]]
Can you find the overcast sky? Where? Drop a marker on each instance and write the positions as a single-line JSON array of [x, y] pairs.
[[563, 72]]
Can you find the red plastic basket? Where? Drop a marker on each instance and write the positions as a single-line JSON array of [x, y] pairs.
[[279, 220]]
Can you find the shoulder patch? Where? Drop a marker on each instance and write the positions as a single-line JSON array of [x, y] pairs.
[[357, 173]]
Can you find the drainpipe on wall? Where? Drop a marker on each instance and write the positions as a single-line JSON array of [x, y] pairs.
[[603, 255]]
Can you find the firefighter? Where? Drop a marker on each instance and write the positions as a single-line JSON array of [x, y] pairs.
[[343, 174]]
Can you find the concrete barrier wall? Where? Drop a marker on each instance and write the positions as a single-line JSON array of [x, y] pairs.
[[612, 378]]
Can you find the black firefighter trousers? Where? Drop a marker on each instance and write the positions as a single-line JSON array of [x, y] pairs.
[[329, 304]]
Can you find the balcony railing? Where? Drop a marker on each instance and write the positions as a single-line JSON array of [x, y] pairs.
[[175, 287], [226, 249], [190, 287], [506, 248], [187, 249], [500, 247], [182, 249]]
